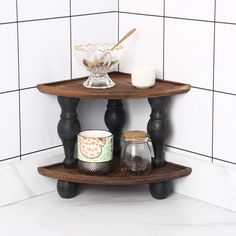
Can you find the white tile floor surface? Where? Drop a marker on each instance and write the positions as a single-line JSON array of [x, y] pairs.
[[115, 211]]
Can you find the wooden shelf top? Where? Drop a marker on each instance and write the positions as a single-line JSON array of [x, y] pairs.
[[169, 172], [122, 90]]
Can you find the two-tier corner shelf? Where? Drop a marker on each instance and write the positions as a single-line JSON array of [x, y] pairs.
[[69, 93]]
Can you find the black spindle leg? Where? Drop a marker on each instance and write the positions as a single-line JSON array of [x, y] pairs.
[[68, 129], [158, 129], [115, 121]]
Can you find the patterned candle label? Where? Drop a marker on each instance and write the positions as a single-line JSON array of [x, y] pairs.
[[95, 149]]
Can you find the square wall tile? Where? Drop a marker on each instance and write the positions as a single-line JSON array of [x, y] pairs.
[[225, 11], [224, 127], [8, 58], [81, 34], [44, 51], [40, 115], [91, 113], [189, 52], [93, 6], [152, 7], [208, 182], [138, 114], [9, 125], [7, 11], [193, 9], [38, 9], [225, 51], [145, 46], [191, 121]]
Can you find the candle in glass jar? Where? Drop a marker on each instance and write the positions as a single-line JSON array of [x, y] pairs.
[[143, 76]]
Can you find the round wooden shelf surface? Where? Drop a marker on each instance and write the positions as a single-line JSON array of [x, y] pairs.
[[122, 90], [169, 172]]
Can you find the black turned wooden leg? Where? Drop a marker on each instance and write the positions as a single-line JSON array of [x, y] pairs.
[[68, 129], [115, 121], [67, 189], [158, 128], [160, 190]]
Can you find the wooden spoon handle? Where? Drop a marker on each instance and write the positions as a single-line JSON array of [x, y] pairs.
[[124, 38]]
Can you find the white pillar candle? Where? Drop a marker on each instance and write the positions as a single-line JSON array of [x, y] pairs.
[[143, 76]]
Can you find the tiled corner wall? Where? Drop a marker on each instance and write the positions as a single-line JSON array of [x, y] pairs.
[[36, 41], [191, 41]]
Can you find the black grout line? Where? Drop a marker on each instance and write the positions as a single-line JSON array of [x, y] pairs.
[[213, 85], [41, 150], [70, 41], [195, 87], [189, 19], [19, 84], [185, 150], [29, 153], [232, 94], [9, 91], [26, 199], [9, 158], [27, 88], [199, 154], [8, 23], [229, 162], [124, 12], [139, 14], [179, 18], [94, 13], [43, 19], [58, 17], [164, 27], [200, 88]]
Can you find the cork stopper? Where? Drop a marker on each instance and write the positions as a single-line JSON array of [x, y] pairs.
[[135, 136]]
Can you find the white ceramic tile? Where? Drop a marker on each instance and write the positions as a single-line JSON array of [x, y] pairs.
[[8, 58], [153, 7], [37, 9], [189, 52], [39, 118], [225, 164], [83, 32], [137, 120], [191, 121], [194, 9], [224, 127], [20, 179], [225, 51], [145, 46], [91, 113], [44, 51], [93, 6], [9, 125], [7, 10], [177, 215], [225, 11], [208, 182]]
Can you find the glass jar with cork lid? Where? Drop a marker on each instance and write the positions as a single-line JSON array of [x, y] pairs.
[[136, 156]]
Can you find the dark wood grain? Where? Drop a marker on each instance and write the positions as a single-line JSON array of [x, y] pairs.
[[122, 90], [169, 172]]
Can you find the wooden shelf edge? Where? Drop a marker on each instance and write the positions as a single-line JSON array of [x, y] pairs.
[[169, 172], [65, 88]]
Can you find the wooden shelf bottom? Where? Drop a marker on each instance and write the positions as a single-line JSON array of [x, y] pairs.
[[169, 172]]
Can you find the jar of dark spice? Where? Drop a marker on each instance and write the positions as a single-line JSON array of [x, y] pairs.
[[136, 156]]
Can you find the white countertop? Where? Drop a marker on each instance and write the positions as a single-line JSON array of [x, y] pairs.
[[100, 210]]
